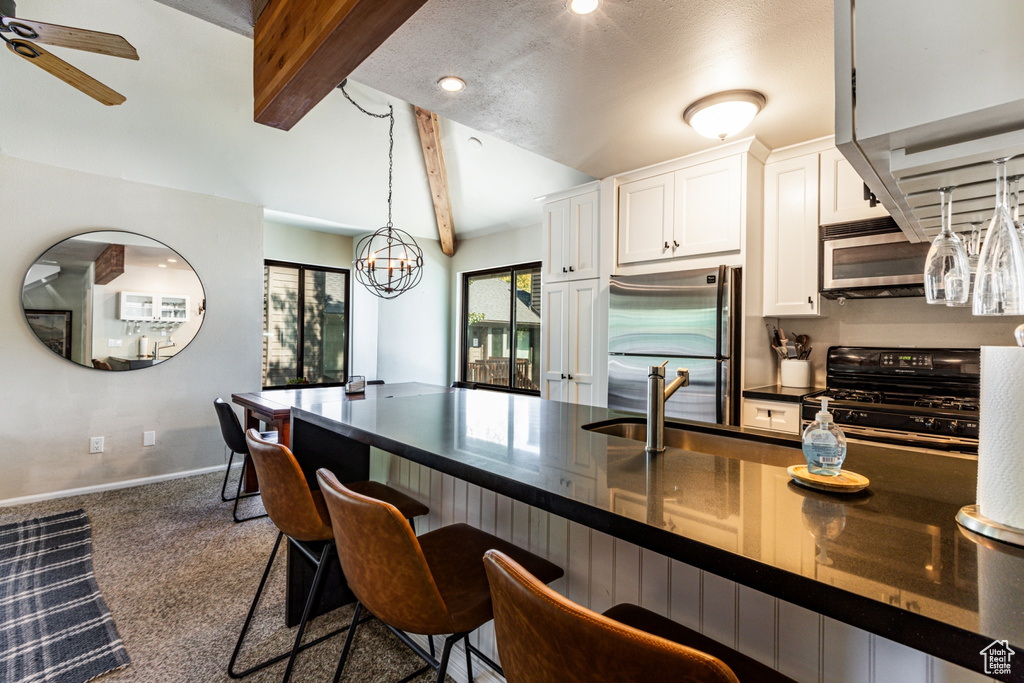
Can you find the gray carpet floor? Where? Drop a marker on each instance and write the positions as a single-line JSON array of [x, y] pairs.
[[178, 577]]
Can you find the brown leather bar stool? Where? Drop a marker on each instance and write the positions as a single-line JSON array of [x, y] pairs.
[[301, 515], [433, 584], [545, 638], [234, 439]]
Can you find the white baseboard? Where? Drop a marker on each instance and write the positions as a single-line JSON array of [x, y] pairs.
[[67, 493]]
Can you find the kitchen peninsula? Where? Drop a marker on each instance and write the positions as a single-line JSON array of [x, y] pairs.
[[716, 507]]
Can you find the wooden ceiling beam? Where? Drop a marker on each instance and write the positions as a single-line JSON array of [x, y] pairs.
[[433, 158], [304, 48]]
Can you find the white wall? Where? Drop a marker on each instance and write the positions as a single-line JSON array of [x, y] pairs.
[[51, 406], [413, 330], [896, 322], [309, 247], [512, 247]]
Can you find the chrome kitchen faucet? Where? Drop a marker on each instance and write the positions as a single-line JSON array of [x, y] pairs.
[[657, 394]]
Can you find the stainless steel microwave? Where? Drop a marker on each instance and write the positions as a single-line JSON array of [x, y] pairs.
[[870, 259]]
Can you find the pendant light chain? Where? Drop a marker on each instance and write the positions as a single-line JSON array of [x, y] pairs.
[[388, 262], [391, 140]]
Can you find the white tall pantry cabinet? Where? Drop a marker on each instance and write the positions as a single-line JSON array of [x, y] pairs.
[[570, 293], [568, 341]]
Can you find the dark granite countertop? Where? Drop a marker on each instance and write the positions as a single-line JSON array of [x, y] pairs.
[[777, 392], [891, 561]]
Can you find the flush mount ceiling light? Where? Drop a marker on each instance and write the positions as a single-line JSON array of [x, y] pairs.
[[725, 113], [451, 84], [583, 6]]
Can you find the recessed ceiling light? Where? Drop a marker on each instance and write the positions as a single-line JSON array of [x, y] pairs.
[[161, 265], [583, 6], [725, 113], [452, 84], [475, 144], [172, 260]]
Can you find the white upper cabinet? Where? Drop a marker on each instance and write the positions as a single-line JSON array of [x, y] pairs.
[[570, 233], [646, 216], [693, 211], [791, 237], [556, 237], [708, 208], [842, 192]]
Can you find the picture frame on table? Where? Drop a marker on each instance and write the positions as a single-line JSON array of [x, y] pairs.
[[53, 329]]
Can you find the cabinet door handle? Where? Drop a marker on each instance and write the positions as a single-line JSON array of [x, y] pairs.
[[564, 270], [666, 247], [570, 376], [563, 375], [675, 243], [811, 302], [571, 270]]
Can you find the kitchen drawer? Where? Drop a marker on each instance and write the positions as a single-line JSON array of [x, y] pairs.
[[774, 415]]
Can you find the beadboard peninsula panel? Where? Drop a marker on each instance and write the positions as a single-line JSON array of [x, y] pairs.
[[601, 571]]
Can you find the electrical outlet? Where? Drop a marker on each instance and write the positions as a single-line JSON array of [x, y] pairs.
[[148, 438], [113, 343], [96, 444]]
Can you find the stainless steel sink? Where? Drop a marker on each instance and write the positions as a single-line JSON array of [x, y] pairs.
[[700, 442]]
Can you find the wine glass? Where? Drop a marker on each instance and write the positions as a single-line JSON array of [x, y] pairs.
[[999, 285], [972, 241], [1014, 181], [947, 272]]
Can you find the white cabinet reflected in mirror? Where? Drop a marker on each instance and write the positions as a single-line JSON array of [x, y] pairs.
[[113, 300]]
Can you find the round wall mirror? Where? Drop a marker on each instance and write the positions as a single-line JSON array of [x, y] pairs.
[[113, 300]]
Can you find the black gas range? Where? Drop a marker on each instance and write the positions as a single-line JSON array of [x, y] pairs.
[[925, 398]]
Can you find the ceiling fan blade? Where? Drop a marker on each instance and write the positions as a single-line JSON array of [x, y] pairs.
[[65, 72], [75, 38]]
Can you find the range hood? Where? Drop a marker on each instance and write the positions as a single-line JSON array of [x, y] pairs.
[[926, 97]]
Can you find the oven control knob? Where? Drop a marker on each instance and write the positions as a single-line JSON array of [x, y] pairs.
[[933, 424], [957, 427], [852, 417]]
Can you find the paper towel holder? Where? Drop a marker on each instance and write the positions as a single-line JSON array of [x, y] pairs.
[[970, 518]]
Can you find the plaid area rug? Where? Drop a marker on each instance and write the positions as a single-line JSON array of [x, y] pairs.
[[54, 625]]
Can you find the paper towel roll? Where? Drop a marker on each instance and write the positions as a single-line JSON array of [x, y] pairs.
[[1001, 446]]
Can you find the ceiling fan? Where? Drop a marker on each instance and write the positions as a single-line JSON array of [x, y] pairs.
[[19, 34]]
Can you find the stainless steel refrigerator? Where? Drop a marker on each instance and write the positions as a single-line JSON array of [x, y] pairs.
[[689, 318]]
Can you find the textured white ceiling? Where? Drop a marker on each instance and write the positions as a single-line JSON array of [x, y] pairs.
[[604, 93], [188, 124], [601, 93]]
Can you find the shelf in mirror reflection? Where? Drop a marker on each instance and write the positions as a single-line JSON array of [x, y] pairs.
[[101, 299]]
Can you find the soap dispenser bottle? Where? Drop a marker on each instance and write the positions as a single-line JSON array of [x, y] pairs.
[[824, 443]]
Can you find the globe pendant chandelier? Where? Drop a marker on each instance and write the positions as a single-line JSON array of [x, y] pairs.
[[388, 262]]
